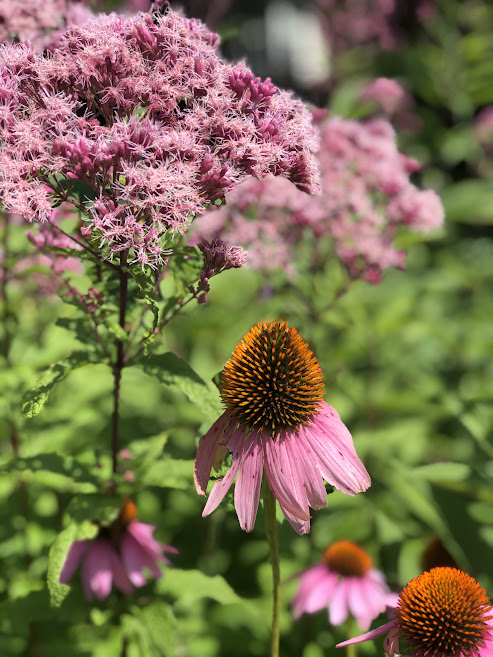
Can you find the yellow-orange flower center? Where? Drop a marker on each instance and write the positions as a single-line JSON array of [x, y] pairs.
[[442, 613], [128, 512], [347, 559], [272, 382]]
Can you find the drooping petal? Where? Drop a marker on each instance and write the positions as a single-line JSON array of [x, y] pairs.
[[72, 560], [290, 468], [333, 447], [143, 534], [220, 488], [277, 481], [135, 558], [300, 526], [338, 609], [120, 578], [97, 570], [312, 479], [369, 635], [316, 588], [207, 450], [248, 481], [366, 599]]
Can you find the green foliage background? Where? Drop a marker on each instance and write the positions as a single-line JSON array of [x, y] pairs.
[[408, 364]]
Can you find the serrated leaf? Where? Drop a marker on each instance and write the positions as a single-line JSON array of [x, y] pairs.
[[146, 286], [115, 329], [173, 371], [169, 473], [160, 623], [35, 398]]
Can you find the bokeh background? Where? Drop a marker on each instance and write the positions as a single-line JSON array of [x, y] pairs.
[[408, 364]]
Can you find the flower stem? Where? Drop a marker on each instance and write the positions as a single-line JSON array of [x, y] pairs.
[[271, 532], [352, 649], [120, 361]]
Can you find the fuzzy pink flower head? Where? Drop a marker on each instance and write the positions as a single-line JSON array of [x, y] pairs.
[[442, 612], [118, 556], [142, 125], [276, 423], [344, 583]]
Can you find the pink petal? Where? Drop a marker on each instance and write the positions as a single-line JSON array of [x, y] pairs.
[[300, 526], [369, 635], [316, 588], [338, 609], [72, 560], [366, 599], [220, 488], [290, 467], [312, 479], [135, 559], [247, 487], [278, 483], [207, 450], [337, 460], [97, 570], [143, 534], [120, 579]]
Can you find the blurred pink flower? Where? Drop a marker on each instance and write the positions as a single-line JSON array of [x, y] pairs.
[[40, 23], [441, 612], [117, 556], [277, 423], [387, 93], [366, 199], [346, 583]]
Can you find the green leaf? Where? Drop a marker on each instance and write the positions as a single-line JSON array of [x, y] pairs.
[[115, 329], [469, 202], [443, 472], [169, 473], [157, 618], [173, 371], [191, 585], [85, 512], [35, 398], [53, 471], [146, 285]]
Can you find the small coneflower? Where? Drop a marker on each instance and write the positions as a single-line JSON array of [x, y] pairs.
[[346, 583], [118, 556], [276, 421], [443, 612]]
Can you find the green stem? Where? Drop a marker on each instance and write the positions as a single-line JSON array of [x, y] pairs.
[[271, 532], [351, 650]]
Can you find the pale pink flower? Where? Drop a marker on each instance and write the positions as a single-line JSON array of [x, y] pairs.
[[118, 556], [277, 424], [366, 199], [41, 22], [345, 583], [387, 93], [441, 612]]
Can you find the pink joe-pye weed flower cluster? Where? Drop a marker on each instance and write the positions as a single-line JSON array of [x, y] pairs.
[[367, 198], [345, 583], [117, 557], [141, 125], [276, 423]]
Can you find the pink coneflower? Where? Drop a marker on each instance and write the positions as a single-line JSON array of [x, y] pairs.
[[443, 612], [117, 556], [277, 422], [346, 583]]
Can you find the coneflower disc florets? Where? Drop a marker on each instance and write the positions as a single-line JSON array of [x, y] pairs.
[[347, 559], [272, 382], [443, 612]]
